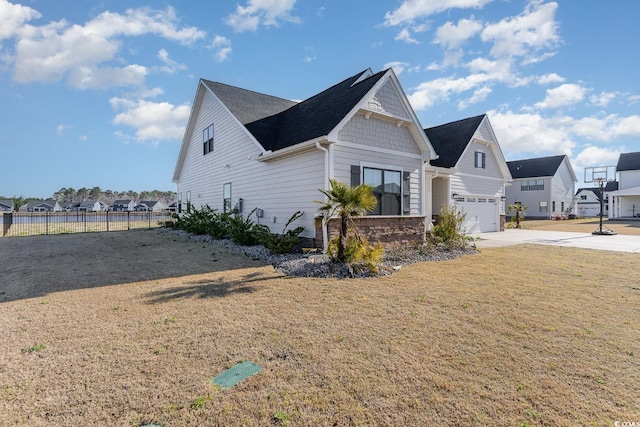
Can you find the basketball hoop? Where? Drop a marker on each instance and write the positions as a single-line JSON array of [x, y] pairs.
[[601, 175]]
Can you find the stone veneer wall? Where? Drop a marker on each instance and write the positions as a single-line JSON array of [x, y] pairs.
[[386, 230]]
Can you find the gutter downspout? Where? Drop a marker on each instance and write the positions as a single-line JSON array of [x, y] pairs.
[[325, 231]]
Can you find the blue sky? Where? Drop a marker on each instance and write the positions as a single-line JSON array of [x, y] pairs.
[[97, 93]]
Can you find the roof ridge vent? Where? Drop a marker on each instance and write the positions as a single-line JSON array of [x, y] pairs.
[[365, 75]]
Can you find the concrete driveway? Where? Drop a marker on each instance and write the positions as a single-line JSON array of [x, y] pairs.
[[509, 237]]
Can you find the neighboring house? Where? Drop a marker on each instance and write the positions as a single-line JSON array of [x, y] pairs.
[[88, 206], [41, 206], [545, 185], [588, 200], [123, 205], [625, 202], [150, 206], [6, 206], [246, 150], [173, 207], [470, 172]]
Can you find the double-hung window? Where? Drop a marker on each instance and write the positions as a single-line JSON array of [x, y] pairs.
[[226, 195], [480, 160], [387, 188], [207, 140]]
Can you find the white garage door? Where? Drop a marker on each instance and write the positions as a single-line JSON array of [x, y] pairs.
[[482, 214]]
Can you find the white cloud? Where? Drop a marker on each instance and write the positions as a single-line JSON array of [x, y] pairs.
[[223, 46], [405, 36], [603, 99], [550, 79], [265, 12], [398, 67], [438, 90], [13, 17], [563, 95], [61, 129], [479, 95], [452, 36], [58, 50], [532, 133], [593, 156], [170, 66], [152, 121], [410, 10], [525, 34]]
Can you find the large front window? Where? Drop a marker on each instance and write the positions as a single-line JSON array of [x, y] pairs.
[[387, 187]]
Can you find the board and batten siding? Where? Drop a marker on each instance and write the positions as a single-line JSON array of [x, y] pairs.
[[278, 187], [629, 179]]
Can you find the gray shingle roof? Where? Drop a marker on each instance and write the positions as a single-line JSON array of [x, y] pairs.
[[451, 139], [539, 166], [278, 123], [248, 106], [628, 162]]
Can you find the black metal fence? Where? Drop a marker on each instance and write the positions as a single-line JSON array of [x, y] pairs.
[[36, 223]]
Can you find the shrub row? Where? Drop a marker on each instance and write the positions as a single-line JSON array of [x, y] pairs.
[[241, 230]]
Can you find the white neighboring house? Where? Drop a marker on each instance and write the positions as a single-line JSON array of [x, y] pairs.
[[246, 150], [150, 206], [588, 200], [470, 172], [6, 205], [625, 202], [545, 185]]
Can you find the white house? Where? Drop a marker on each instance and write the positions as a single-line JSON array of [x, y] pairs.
[[588, 200], [246, 150], [546, 185], [470, 172], [122, 205], [150, 206], [625, 202], [6, 205]]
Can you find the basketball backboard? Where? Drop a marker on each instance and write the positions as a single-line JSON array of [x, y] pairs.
[[599, 174]]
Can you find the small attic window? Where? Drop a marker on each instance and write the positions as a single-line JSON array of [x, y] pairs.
[[207, 140], [480, 160]]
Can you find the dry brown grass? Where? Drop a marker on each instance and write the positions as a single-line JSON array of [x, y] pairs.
[[586, 225], [514, 336]]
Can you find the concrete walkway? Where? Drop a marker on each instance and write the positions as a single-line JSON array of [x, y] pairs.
[[509, 237]]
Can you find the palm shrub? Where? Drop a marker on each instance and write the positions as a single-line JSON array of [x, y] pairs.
[[346, 202], [518, 209], [359, 253], [448, 231], [283, 243]]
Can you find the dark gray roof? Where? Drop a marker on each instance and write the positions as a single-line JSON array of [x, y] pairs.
[[246, 105], [539, 166], [6, 202], [451, 139], [276, 126], [123, 201], [628, 162]]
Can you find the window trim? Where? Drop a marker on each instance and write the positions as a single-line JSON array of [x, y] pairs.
[[480, 159], [400, 195], [543, 206], [226, 201], [207, 140]]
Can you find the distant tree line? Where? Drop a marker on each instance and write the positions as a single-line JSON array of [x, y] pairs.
[[67, 195]]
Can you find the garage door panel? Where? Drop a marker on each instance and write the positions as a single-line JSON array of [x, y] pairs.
[[481, 214]]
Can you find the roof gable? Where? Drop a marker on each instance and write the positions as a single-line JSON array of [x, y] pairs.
[[248, 106], [628, 162], [313, 117], [451, 139], [539, 166]]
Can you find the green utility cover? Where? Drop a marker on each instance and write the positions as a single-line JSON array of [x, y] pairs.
[[235, 374]]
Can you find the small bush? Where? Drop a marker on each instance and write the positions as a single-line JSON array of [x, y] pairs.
[[359, 254], [243, 231], [448, 231], [281, 243], [203, 221]]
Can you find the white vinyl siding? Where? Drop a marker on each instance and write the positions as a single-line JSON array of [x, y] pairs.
[[563, 188], [280, 187]]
